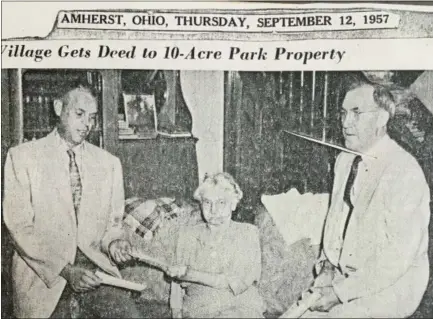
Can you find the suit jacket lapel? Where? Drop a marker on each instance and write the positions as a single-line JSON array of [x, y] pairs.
[[333, 237], [366, 193], [61, 176], [93, 177], [86, 180]]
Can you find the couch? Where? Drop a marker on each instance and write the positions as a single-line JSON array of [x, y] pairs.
[[287, 265]]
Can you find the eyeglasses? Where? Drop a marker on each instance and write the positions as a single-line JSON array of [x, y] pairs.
[[218, 204], [356, 113]]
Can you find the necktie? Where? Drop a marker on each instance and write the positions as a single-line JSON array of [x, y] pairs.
[[348, 189], [76, 186]]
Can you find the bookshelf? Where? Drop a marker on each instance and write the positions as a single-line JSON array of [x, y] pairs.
[[160, 163], [39, 90]]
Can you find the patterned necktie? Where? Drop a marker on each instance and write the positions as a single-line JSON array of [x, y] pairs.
[[348, 189], [76, 186]]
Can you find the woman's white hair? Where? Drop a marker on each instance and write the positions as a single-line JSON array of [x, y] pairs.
[[223, 181]]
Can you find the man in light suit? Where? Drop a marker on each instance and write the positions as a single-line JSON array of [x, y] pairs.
[[63, 206], [374, 260]]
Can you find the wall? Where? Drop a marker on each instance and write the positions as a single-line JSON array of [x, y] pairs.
[[203, 92]]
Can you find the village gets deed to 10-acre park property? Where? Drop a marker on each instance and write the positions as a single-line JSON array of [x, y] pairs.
[[171, 53]]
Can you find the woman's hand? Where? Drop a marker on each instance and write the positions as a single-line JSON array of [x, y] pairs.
[[184, 273], [120, 250], [177, 272]]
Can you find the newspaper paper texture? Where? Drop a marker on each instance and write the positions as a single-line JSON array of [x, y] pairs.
[[217, 159]]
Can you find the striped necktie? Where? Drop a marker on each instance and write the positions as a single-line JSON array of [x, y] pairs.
[[76, 186]]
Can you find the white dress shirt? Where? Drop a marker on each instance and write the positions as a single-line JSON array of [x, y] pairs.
[[78, 150]]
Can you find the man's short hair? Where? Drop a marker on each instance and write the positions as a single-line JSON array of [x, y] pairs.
[[382, 96], [72, 94]]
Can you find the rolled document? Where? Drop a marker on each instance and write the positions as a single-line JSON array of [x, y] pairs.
[[122, 283], [300, 307], [150, 260]]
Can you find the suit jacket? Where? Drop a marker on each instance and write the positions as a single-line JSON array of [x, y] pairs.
[[383, 260], [39, 213]]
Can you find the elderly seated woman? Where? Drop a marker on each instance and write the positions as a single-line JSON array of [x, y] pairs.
[[219, 261]]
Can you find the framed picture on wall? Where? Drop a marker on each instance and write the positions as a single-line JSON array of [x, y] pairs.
[[140, 118]]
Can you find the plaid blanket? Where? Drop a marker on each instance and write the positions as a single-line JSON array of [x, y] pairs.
[[144, 217]]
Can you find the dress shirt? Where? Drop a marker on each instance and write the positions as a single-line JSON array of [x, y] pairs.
[[78, 150]]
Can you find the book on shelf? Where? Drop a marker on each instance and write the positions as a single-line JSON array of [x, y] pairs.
[[41, 88]]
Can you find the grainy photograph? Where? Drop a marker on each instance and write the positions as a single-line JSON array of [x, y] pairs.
[[322, 209], [216, 160]]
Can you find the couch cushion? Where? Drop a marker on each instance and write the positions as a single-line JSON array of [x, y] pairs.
[[287, 270], [151, 226], [145, 216]]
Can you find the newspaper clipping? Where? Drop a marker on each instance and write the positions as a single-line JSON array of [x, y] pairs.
[[216, 160]]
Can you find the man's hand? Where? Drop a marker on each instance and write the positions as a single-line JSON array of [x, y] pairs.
[[324, 279], [120, 250], [80, 279], [327, 301], [326, 275]]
